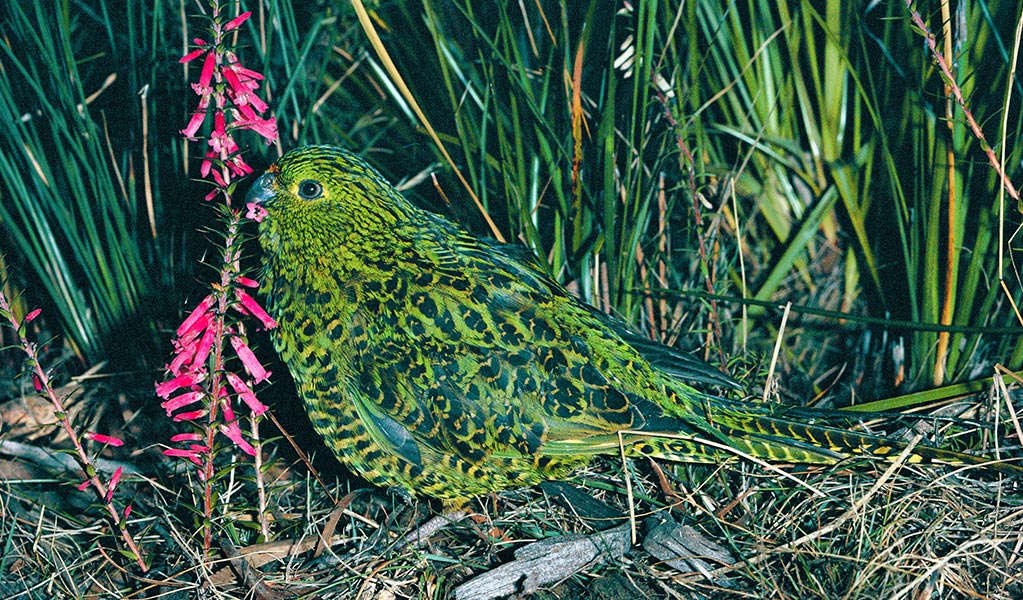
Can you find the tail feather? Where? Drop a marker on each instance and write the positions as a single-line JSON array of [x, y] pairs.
[[775, 437], [732, 428]]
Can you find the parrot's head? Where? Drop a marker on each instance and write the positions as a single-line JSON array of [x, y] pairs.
[[320, 201]]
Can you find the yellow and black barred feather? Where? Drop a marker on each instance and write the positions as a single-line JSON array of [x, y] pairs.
[[452, 366]]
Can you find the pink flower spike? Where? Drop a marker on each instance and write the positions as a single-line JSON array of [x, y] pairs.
[[246, 394], [247, 282], [255, 309], [249, 360], [127, 512], [194, 316], [37, 383], [104, 439], [194, 54], [187, 437], [84, 485], [235, 22], [30, 316]]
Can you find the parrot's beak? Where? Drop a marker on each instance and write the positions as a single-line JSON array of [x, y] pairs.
[[262, 190]]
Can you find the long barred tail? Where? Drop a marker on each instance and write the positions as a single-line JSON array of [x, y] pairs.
[[773, 436], [759, 432]]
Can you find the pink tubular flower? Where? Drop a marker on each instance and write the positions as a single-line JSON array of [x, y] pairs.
[[246, 394], [194, 415], [181, 401], [198, 117], [264, 127], [194, 54], [255, 309], [197, 313], [165, 389], [202, 350], [114, 480], [104, 439], [256, 212], [235, 22], [249, 360], [187, 437], [190, 455], [182, 356], [234, 433]]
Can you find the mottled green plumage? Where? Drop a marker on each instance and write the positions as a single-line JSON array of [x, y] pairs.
[[451, 366]]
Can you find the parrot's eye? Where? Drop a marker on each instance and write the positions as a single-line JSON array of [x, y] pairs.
[[310, 190]]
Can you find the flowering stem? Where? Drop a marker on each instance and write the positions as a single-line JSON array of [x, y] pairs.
[[222, 292], [199, 375], [103, 490], [257, 465]]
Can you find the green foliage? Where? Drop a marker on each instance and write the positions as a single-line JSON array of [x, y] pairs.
[[633, 153], [840, 105], [63, 204]]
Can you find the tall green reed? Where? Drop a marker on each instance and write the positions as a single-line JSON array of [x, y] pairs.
[[70, 204]]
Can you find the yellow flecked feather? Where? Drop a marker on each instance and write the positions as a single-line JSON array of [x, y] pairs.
[[451, 366]]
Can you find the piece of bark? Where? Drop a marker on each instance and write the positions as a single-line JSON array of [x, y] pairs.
[[685, 549], [545, 562]]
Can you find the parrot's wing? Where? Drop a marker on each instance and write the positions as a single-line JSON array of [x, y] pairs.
[[475, 368], [668, 360]]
